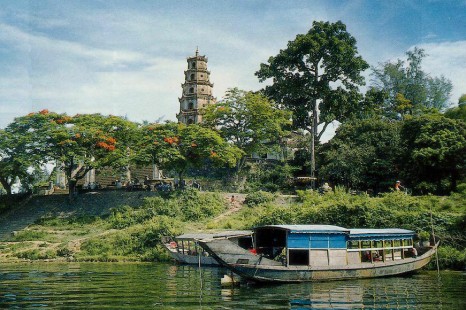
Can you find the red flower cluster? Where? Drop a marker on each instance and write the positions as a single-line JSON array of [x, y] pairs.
[[44, 112], [105, 146], [171, 140], [213, 154], [64, 119]]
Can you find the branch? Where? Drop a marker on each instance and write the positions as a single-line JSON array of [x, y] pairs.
[[323, 130]]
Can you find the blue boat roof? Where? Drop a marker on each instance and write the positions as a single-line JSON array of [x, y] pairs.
[[309, 228], [356, 232]]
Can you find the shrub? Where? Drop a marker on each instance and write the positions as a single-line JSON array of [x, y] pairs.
[[258, 198]]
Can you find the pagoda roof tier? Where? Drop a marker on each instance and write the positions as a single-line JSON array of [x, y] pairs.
[[198, 82], [197, 70], [198, 57], [195, 96], [187, 113]]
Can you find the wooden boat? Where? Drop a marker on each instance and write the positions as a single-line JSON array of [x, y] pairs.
[[185, 249], [298, 253]]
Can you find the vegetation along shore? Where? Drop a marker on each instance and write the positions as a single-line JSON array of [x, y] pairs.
[[105, 231], [397, 159]]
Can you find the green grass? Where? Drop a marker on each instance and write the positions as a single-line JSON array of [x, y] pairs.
[[135, 233]]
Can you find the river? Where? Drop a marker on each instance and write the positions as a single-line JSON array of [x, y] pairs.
[[167, 286]]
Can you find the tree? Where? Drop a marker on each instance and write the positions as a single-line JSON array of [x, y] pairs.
[[363, 155], [15, 163], [409, 89], [178, 147], [21, 152], [249, 121], [434, 153], [79, 144], [318, 72], [458, 112]]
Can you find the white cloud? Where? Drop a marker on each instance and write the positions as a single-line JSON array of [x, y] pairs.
[[447, 59]]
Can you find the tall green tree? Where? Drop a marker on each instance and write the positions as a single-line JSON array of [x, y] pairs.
[[409, 89], [317, 78], [250, 121], [177, 147], [434, 153], [16, 163], [22, 149], [363, 155]]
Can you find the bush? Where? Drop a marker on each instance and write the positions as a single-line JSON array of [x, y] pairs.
[[450, 258], [30, 235], [258, 198]]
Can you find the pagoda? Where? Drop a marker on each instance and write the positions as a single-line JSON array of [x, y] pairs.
[[197, 90]]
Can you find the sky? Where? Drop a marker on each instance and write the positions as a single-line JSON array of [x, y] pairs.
[[127, 58]]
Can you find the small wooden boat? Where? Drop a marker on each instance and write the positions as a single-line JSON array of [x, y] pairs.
[[185, 249], [298, 253]]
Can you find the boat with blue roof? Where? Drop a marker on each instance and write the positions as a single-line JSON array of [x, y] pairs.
[[300, 253]]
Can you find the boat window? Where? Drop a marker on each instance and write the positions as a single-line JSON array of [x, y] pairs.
[[378, 244], [397, 254], [299, 257], [388, 243], [397, 243], [407, 242], [353, 244], [245, 242], [365, 244], [388, 255]]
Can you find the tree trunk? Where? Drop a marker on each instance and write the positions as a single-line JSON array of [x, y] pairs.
[[313, 138], [72, 188]]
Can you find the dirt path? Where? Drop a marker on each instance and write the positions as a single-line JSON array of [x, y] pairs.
[[235, 202]]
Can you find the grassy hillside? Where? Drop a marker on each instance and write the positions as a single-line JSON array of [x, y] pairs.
[[132, 232]]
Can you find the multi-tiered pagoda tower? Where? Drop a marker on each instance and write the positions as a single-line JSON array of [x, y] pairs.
[[197, 90]]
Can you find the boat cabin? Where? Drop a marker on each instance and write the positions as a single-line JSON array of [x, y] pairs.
[[187, 244], [328, 245]]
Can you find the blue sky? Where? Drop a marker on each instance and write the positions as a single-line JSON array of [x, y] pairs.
[[128, 57]]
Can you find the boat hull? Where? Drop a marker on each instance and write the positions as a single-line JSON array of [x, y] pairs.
[[265, 270], [192, 259]]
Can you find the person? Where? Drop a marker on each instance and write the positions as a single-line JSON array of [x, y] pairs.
[[398, 186], [414, 251], [232, 199]]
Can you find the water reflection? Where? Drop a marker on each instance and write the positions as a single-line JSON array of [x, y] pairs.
[[165, 286]]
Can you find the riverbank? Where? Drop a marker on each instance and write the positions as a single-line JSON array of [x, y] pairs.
[[127, 227]]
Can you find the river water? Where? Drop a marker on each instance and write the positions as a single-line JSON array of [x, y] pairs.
[[167, 286]]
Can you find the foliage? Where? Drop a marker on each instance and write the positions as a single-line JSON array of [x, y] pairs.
[[271, 177], [304, 74], [450, 258], [408, 88], [258, 198], [250, 121], [178, 147], [187, 205], [18, 161], [362, 155], [434, 149], [79, 143], [458, 112]]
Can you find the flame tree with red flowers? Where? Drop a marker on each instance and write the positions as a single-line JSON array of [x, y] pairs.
[[177, 147], [79, 143]]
